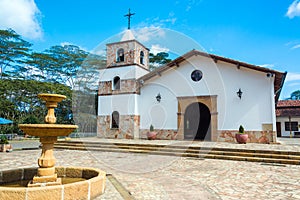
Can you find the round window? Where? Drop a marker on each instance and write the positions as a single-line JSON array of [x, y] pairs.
[[196, 75]]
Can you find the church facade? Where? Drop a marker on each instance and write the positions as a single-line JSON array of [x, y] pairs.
[[196, 96]]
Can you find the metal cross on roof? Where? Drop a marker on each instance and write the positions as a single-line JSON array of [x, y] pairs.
[[129, 16]]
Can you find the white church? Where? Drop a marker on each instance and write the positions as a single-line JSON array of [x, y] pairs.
[[197, 96]]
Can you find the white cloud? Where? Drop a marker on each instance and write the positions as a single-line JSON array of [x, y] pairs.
[[147, 33], [99, 52], [157, 23], [294, 9], [171, 19], [191, 4], [69, 43], [65, 43], [296, 46], [22, 16], [156, 48], [267, 65], [292, 77]]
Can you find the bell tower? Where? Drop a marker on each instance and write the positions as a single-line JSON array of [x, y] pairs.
[[127, 52], [118, 94]]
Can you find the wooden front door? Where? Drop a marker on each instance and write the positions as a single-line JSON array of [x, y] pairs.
[[197, 119], [278, 129]]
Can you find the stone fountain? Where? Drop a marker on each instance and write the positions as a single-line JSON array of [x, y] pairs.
[[45, 182]]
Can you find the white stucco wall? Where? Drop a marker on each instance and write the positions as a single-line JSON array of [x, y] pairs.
[[221, 79], [125, 104], [282, 121], [128, 72]]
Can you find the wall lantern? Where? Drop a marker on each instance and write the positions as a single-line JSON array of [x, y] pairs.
[[158, 98], [239, 93]]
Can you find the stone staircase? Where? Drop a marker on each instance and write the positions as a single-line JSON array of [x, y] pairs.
[[264, 156]]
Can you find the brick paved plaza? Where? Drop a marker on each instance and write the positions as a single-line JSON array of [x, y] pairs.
[[167, 177]]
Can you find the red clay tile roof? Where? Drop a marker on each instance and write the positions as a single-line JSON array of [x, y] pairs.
[[288, 103], [288, 108], [279, 76]]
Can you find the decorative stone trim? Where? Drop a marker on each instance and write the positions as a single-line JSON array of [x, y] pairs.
[[126, 65], [265, 137], [128, 127], [132, 51], [209, 101], [127, 86], [161, 134]]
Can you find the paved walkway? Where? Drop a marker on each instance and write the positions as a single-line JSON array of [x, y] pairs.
[[164, 177]]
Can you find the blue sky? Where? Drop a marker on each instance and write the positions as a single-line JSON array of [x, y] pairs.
[[260, 32]]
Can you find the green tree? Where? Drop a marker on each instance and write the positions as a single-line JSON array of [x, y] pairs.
[[19, 101], [295, 95], [58, 64], [14, 52], [159, 59]]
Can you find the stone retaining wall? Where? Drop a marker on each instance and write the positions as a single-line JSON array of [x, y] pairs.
[[161, 134], [128, 127], [265, 137]]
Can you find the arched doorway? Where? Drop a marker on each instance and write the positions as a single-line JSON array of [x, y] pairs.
[[197, 119]]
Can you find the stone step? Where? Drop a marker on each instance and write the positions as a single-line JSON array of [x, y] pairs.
[[222, 151], [228, 154], [194, 155]]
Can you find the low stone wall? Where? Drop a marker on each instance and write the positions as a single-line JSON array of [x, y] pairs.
[[129, 129], [88, 189], [161, 134], [265, 137]]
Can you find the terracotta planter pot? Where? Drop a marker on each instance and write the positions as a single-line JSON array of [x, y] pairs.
[[241, 138], [151, 135], [5, 147]]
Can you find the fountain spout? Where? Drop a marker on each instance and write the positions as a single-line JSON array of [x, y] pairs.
[[51, 103]]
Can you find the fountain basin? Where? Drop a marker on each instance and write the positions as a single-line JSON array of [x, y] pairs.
[[47, 130], [90, 188], [51, 97]]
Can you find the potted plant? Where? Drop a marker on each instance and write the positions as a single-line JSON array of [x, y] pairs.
[[151, 135], [4, 144], [241, 137]]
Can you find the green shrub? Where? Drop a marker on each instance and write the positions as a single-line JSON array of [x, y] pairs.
[[4, 140], [241, 129], [151, 128]]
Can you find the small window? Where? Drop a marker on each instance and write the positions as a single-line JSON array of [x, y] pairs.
[[120, 55], [115, 120], [142, 57], [293, 126], [116, 83], [196, 75]]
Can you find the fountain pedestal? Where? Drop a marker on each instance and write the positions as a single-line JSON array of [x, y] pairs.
[[48, 134], [46, 172]]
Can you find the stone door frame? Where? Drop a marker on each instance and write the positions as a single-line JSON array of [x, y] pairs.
[[210, 101]]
